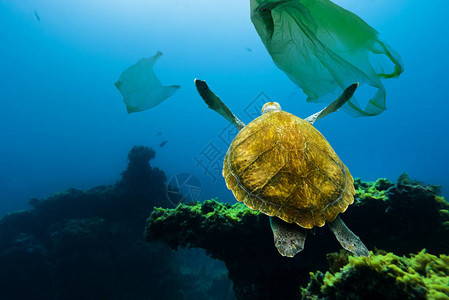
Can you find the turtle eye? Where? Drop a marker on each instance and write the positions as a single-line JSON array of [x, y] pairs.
[[271, 106]]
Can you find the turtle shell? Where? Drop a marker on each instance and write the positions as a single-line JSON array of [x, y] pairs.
[[282, 166]]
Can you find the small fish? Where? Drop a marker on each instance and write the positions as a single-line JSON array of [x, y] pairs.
[[249, 49], [159, 133], [163, 143], [37, 16]]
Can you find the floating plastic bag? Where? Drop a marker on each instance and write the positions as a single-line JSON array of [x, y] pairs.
[[324, 48], [140, 87]]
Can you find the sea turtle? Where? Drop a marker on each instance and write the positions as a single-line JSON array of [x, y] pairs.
[[282, 166]]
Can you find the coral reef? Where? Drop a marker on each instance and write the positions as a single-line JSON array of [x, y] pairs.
[[89, 245], [402, 218], [382, 276]]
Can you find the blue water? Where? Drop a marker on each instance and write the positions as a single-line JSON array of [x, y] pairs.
[[63, 123]]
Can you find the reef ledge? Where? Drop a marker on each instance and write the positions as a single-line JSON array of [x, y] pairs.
[[399, 218]]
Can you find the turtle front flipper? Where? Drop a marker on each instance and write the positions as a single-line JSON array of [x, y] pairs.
[[213, 102], [288, 238], [347, 238], [334, 106]]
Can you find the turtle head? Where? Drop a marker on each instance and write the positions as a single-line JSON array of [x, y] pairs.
[[271, 106]]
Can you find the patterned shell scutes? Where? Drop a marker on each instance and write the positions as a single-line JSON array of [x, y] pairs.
[[282, 166]]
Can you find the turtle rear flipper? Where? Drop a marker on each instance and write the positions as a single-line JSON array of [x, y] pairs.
[[347, 238], [288, 238]]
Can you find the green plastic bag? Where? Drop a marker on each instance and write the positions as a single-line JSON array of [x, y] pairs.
[[324, 48]]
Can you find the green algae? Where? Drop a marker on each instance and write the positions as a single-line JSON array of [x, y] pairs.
[[209, 211], [384, 276], [365, 190], [187, 224], [380, 189], [442, 201], [443, 211]]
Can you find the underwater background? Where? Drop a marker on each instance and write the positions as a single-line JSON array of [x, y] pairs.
[[64, 123]]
